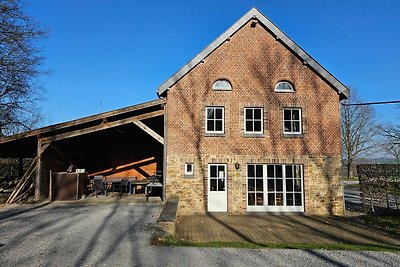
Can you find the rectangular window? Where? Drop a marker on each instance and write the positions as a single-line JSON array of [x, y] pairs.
[[188, 169], [215, 120], [253, 120], [292, 121], [275, 187]]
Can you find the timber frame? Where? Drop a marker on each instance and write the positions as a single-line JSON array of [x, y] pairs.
[[34, 144]]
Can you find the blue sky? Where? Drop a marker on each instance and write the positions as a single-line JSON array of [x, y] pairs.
[[107, 54]]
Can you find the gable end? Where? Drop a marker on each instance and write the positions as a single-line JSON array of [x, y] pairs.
[[341, 89]]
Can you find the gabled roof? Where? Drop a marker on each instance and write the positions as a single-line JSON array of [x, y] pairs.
[[255, 14]]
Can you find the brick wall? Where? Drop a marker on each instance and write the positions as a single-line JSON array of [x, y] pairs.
[[253, 61]]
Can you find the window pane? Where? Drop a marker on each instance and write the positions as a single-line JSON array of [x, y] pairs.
[[218, 126], [213, 171], [259, 171], [251, 199], [296, 126], [297, 199], [213, 184], [260, 199], [287, 114], [279, 199], [271, 184], [297, 171], [271, 199], [257, 126], [296, 114], [251, 185], [249, 113], [210, 125], [259, 185], [289, 171], [250, 170], [210, 113], [188, 167], [221, 169], [286, 85], [221, 184], [278, 171], [288, 126], [249, 126], [257, 113], [279, 185], [297, 185], [289, 185], [289, 199], [271, 171], [218, 113]]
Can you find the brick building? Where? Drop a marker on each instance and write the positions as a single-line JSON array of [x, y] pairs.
[[253, 124]]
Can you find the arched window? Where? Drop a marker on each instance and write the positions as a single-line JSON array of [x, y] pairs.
[[284, 86], [222, 85]]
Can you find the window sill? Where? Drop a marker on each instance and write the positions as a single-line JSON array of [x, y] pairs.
[[293, 135], [214, 135], [253, 135], [188, 176]]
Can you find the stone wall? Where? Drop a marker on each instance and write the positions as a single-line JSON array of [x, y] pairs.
[[323, 194]]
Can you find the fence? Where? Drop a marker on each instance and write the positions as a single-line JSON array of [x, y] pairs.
[[380, 187]]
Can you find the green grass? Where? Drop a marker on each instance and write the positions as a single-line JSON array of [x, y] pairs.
[[172, 241], [391, 223]]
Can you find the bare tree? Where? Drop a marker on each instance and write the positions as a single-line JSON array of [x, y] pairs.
[[20, 65], [358, 130], [391, 140]]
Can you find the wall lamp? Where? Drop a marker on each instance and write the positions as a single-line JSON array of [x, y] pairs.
[[237, 165]]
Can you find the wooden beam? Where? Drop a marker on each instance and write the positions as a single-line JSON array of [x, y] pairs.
[[152, 133], [44, 130], [43, 146], [103, 126], [61, 154], [149, 115]]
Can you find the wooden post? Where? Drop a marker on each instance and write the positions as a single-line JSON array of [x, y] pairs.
[[77, 186], [38, 170], [51, 185], [38, 183]]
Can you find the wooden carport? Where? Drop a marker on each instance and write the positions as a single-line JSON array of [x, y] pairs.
[[128, 140]]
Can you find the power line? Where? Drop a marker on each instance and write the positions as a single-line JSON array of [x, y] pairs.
[[373, 103]]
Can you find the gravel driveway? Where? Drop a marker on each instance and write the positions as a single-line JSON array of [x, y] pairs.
[[118, 235]]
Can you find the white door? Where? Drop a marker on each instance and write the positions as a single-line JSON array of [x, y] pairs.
[[217, 194]]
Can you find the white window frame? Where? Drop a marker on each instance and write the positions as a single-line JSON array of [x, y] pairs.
[[275, 208], [253, 120], [284, 90], [220, 88], [189, 173], [223, 120], [300, 120]]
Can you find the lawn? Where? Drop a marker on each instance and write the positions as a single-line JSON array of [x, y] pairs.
[[388, 223], [172, 241]]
